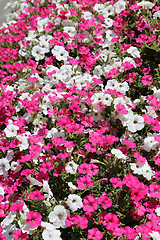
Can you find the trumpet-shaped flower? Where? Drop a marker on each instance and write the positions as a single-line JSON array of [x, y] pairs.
[[74, 202], [11, 130], [34, 219], [58, 216]]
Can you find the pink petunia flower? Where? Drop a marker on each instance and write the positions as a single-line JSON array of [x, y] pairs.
[[93, 170], [105, 201], [94, 233], [75, 219], [110, 221], [130, 77], [116, 182], [127, 65], [130, 233], [34, 219], [36, 195], [90, 148], [18, 234], [121, 109], [90, 204], [147, 80], [154, 190], [16, 207], [84, 182], [84, 168]]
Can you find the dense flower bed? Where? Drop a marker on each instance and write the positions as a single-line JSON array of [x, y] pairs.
[[79, 120]]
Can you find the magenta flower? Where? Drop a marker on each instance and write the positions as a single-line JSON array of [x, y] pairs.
[[121, 109], [75, 219], [105, 201], [93, 170], [90, 148], [129, 232], [127, 65], [90, 204], [16, 207], [34, 219], [36, 195], [116, 182], [84, 182], [84, 168], [110, 221], [130, 77], [154, 190], [94, 233], [147, 80], [18, 234]]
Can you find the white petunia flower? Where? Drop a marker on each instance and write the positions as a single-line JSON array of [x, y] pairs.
[[8, 219], [123, 87], [50, 232], [51, 133], [71, 167], [150, 143], [146, 4], [45, 45], [136, 168], [155, 235], [60, 53], [156, 14], [109, 22], [97, 97], [87, 15], [10, 154], [118, 64], [38, 53], [74, 202], [33, 181], [97, 113], [98, 71], [31, 37], [157, 210], [15, 167], [51, 235], [72, 187], [120, 6], [24, 142], [108, 11], [135, 123], [134, 52], [47, 190], [28, 228], [119, 100], [98, 7], [150, 112], [4, 166], [27, 117], [110, 34], [112, 84], [48, 226], [118, 153], [8, 231], [70, 30], [156, 91], [24, 211], [58, 216], [41, 23], [2, 191], [107, 99], [11, 130], [147, 172]]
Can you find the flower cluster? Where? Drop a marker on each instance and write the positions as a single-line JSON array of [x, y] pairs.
[[80, 120]]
